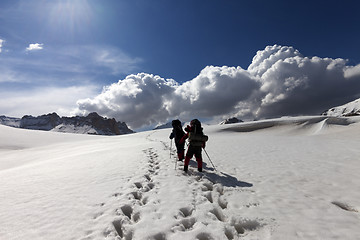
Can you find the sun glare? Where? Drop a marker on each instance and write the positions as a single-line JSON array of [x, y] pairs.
[[70, 15]]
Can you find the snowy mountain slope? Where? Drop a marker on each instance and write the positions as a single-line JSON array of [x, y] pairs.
[[294, 179], [10, 121], [17, 145], [91, 124], [163, 126], [346, 110]]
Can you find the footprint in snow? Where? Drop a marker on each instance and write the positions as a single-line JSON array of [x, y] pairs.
[[186, 211], [345, 206], [138, 185], [218, 214], [186, 222], [147, 177], [136, 195], [122, 232], [222, 202]]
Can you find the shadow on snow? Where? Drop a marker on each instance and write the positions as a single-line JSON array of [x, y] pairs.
[[221, 177]]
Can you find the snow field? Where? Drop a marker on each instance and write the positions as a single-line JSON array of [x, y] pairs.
[[299, 171], [288, 178]]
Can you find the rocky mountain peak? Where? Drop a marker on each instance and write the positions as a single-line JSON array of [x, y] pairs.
[[91, 124]]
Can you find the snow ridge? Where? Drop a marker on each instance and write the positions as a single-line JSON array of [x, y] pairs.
[[346, 110]]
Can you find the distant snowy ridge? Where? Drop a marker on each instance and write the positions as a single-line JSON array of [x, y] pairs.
[[226, 121], [163, 126], [91, 124], [346, 110], [231, 120], [10, 121]]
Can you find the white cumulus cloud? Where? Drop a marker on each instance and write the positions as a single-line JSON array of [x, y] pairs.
[[35, 46], [352, 71], [215, 91], [279, 81], [1, 44], [292, 84], [139, 99]]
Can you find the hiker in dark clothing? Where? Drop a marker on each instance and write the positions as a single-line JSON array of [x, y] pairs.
[[178, 133], [197, 141]]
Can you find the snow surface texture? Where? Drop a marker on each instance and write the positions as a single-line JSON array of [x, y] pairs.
[[287, 178]]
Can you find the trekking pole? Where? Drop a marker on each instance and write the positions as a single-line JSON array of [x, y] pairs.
[[170, 147], [175, 163], [170, 154], [209, 159]]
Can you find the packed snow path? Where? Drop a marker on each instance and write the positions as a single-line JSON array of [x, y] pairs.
[[195, 203]]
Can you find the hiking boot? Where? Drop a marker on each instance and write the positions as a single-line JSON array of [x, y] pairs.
[[200, 169], [186, 168]]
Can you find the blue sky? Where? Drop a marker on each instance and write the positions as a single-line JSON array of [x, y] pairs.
[[113, 56]]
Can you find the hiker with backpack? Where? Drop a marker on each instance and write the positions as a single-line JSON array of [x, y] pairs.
[[177, 133], [197, 141]]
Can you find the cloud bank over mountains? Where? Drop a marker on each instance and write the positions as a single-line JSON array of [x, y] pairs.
[[141, 99], [280, 81]]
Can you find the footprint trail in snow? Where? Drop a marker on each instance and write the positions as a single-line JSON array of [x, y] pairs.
[[202, 211]]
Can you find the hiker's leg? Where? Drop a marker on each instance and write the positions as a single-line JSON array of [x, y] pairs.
[[199, 162], [198, 158], [181, 154]]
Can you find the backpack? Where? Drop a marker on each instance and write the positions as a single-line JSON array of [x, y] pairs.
[[197, 137], [177, 130], [176, 123], [196, 124]]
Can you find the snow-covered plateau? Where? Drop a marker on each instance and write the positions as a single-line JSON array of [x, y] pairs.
[[286, 178]]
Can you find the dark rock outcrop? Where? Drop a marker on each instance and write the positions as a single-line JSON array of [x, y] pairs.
[[103, 126], [43, 122]]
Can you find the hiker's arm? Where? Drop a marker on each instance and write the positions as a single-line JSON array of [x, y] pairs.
[[182, 140]]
